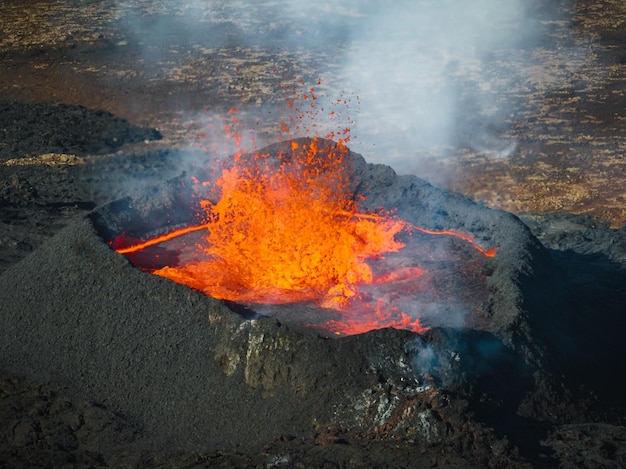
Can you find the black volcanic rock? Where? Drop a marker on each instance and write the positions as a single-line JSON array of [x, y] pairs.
[[28, 129]]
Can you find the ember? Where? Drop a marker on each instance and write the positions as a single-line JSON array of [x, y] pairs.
[[286, 228]]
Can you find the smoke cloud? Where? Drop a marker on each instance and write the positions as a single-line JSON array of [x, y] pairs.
[[421, 74], [421, 71], [449, 357]]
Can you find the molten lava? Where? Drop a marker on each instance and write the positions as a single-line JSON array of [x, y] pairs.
[[286, 229]]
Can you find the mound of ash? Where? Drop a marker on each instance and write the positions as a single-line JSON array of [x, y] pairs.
[[197, 373], [28, 129]]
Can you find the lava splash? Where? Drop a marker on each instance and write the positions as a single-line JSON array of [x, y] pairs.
[[285, 228]]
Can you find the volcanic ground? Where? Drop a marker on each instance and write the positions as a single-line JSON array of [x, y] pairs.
[[105, 365]]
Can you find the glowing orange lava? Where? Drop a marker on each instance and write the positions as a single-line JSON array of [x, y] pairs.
[[285, 228], [381, 315], [286, 231]]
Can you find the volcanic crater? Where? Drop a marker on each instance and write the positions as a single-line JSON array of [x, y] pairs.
[[194, 371], [341, 258]]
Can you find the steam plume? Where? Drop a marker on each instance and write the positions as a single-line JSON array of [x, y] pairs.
[[427, 73]]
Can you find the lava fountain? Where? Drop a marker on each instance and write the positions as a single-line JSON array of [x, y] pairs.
[[284, 227]]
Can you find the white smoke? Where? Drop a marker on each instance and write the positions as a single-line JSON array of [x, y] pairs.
[[421, 71], [426, 74]]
